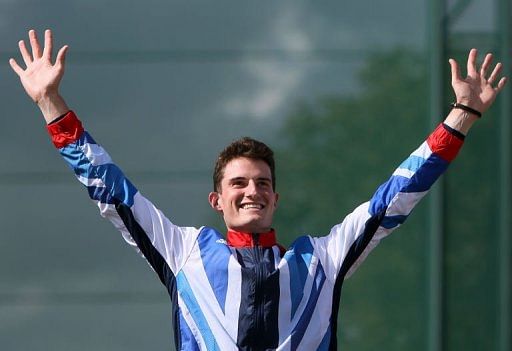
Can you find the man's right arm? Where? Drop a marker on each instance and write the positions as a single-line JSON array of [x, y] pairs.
[[140, 222]]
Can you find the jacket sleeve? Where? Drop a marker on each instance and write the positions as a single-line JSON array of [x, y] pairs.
[[349, 242], [142, 225]]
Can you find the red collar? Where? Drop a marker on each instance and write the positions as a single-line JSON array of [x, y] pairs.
[[241, 239]]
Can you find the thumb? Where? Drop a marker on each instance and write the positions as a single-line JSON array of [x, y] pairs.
[[455, 70], [16, 68]]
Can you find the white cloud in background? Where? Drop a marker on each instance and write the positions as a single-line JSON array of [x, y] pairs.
[[273, 82]]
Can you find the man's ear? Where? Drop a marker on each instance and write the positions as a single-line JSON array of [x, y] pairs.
[[213, 199], [277, 198]]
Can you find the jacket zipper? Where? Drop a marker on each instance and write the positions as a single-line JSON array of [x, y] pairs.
[[258, 294]]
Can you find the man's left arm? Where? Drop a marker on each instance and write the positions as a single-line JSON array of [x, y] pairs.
[[349, 242]]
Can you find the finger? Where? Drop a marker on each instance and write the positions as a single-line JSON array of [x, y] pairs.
[[27, 58], [61, 56], [48, 44], [455, 70], [472, 63], [495, 72], [501, 84], [485, 65], [16, 68], [36, 48]]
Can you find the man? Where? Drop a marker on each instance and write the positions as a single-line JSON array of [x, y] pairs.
[[246, 292]]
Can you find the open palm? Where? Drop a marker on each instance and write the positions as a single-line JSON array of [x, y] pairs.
[[476, 90], [41, 77]]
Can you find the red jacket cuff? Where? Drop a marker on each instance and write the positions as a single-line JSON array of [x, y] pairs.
[[66, 130], [445, 143]]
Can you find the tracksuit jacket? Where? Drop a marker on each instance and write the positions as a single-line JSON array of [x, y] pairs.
[[244, 291]]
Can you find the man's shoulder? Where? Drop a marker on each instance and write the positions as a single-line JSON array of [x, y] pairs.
[[303, 243], [208, 236]]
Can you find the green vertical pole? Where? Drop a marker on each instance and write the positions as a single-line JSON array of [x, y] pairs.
[[437, 39], [504, 306]]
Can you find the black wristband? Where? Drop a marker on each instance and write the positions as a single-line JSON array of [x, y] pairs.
[[466, 108]]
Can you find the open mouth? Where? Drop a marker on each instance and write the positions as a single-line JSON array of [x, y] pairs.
[[251, 206]]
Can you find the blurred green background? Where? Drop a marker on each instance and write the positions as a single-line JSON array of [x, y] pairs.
[[343, 91]]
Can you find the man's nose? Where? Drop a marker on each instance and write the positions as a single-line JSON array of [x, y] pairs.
[[251, 188]]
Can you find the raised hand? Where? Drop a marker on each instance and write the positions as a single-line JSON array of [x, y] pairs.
[[41, 77], [477, 90]]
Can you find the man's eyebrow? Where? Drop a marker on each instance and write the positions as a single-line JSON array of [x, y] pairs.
[[234, 179], [265, 178]]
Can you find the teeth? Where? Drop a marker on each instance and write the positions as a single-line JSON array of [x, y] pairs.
[[248, 206]]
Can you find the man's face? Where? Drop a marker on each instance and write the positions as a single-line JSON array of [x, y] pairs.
[[246, 198]]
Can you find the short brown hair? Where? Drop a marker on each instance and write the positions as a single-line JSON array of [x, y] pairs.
[[243, 147]]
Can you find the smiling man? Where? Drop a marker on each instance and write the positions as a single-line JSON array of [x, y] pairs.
[[248, 292], [244, 186]]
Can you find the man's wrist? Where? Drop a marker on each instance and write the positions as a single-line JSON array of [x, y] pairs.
[[466, 108], [52, 106], [460, 120], [471, 103]]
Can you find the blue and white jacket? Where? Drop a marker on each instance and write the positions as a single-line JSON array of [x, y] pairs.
[[247, 292]]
